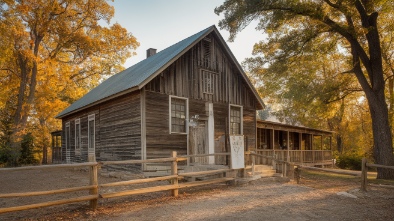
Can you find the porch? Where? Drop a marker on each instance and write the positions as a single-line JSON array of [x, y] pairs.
[[301, 145]]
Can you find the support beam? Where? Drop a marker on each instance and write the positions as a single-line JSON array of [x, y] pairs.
[[288, 145]]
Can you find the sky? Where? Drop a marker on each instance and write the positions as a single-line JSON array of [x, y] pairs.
[[161, 23]]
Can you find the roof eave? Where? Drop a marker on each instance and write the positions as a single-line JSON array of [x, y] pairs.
[[135, 88]]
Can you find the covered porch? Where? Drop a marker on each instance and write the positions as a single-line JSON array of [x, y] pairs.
[[295, 144]]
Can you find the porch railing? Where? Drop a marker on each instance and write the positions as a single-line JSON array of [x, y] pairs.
[[296, 156]]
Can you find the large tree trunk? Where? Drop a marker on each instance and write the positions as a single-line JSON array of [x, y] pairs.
[[383, 143]]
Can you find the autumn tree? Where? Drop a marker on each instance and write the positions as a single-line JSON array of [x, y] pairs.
[[55, 51], [353, 26]]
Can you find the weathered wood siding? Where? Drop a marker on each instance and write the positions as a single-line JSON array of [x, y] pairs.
[[183, 79], [159, 142], [117, 130]]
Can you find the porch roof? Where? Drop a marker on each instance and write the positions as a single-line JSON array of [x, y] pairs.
[[291, 128]]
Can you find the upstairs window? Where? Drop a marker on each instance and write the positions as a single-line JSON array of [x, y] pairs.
[[178, 113], [208, 79]]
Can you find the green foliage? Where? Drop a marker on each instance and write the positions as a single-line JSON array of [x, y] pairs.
[[321, 64], [349, 161], [28, 151], [5, 154]]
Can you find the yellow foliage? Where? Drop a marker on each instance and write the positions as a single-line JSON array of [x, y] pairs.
[[52, 54]]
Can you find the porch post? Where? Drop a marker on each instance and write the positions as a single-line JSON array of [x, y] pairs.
[[211, 134], [288, 145], [273, 141], [301, 150], [313, 152]]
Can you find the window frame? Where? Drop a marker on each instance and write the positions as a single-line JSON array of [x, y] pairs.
[[241, 119], [77, 138], [206, 74], [186, 114], [91, 117], [67, 136]]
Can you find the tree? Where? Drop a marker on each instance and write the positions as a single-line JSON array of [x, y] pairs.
[[351, 25], [56, 50]]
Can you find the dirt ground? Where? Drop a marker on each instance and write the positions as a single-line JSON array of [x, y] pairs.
[[315, 198]]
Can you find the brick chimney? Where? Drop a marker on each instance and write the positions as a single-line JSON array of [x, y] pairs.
[[150, 52]]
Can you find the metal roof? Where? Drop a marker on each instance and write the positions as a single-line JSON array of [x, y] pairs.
[[136, 76]]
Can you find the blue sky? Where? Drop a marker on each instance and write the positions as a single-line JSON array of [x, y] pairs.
[[161, 23]]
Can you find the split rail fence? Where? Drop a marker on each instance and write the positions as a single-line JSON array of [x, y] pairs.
[[293, 170], [94, 187]]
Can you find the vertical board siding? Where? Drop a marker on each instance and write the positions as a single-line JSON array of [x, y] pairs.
[[183, 78]]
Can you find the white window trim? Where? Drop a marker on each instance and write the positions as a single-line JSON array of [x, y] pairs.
[[92, 118], [186, 117], [78, 122], [242, 118], [67, 143]]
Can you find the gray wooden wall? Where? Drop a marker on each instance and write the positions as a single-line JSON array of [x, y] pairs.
[[117, 130]]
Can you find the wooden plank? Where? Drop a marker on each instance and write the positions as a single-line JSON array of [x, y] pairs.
[[174, 172], [206, 155], [48, 192], [161, 160], [205, 182], [50, 203], [208, 172], [345, 172], [379, 166], [130, 182], [57, 166], [139, 191], [94, 182]]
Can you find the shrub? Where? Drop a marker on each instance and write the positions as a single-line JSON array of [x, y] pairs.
[[349, 161]]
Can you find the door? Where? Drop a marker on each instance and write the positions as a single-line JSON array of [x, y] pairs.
[[198, 142]]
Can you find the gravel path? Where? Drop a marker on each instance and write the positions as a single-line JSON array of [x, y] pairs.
[[266, 199], [263, 199]]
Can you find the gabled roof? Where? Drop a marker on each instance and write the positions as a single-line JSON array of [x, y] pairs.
[[136, 76]]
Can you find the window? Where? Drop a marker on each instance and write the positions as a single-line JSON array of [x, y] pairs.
[[208, 82], [236, 120], [68, 142], [91, 135], [178, 113], [77, 136]]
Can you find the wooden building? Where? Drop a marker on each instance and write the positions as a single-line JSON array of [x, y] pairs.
[[187, 97], [301, 145]]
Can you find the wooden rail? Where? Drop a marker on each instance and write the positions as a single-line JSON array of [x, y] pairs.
[[94, 186], [364, 174]]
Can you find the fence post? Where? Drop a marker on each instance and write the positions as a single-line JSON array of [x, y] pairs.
[[297, 176], [364, 173], [93, 181], [274, 161], [174, 171], [291, 171]]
